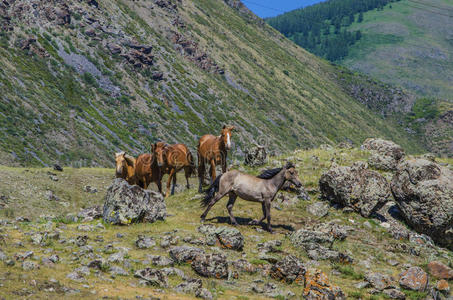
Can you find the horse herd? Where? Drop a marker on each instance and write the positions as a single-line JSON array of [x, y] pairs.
[[211, 150], [170, 159]]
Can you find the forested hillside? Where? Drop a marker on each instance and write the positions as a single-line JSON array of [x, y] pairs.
[[81, 80], [322, 28]]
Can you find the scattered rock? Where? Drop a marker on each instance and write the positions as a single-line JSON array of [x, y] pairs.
[[159, 260], [211, 265], [414, 278], [90, 189], [317, 287], [118, 271], [57, 167], [125, 204], [228, 237], [81, 240], [90, 214], [385, 155], [255, 156], [29, 265], [356, 187], [442, 286], [394, 294], [145, 242], [423, 191], [440, 270], [190, 286], [289, 269], [152, 277], [185, 253], [379, 281], [303, 236], [244, 266], [319, 209]]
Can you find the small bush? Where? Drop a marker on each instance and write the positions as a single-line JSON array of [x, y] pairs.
[[89, 79]]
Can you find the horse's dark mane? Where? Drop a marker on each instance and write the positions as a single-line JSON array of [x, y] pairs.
[[269, 173]]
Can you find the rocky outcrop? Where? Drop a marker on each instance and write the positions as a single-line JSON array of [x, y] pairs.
[[317, 287], [184, 253], [385, 155], [357, 187], [227, 237], [152, 277], [440, 270], [255, 156], [414, 278], [290, 269], [211, 265], [125, 204], [423, 191]]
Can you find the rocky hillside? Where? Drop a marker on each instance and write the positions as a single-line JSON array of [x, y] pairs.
[[83, 79], [344, 235]]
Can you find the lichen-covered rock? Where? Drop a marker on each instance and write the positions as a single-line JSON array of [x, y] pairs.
[[318, 252], [319, 209], [190, 286], [290, 269], [159, 260], [423, 191], [303, 236], [394, 294], [385, 155], [244, 266], [379, 281], [152, 277], [356, 187], [185, 253], [91, 213], [145, 242], [317, 287], [125, 204], [228, 237], [255, 156], [440, 270], [211, 265], [414, 278]]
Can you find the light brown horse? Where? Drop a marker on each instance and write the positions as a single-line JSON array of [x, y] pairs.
[[213, 150], [171, 159], [262, 189], [125, 167], [147, 171]]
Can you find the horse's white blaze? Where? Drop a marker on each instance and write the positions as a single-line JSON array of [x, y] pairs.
[[228, 140], [118, 169]]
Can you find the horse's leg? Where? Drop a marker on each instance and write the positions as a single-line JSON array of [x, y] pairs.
[[268, 213], [213, 175], [187, 172], [224, 162], [172, 172], [174, 184], [211, 204], [159, 185], [201, 171], [230, 205], [256, 222]]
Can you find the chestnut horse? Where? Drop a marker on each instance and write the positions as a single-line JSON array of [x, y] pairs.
[[171, 159], [213, 150], [125, 167], [147, 171]]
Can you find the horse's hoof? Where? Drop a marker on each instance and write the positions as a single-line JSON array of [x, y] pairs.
[[234, 223], [202, 220]]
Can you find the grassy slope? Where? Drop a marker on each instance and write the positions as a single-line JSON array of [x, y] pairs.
[[287, 99], [184, 211], [408, 47]]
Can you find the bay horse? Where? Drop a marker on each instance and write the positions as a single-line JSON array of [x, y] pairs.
[[262, 189], [213, 150], [147, 171], [171, 159], [125, 167]]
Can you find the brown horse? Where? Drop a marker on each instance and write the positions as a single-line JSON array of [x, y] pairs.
[[147, 171], [262, 189], [125, 167], [213, 150], [171, 159]]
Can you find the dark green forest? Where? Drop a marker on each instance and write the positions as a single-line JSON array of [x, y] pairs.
[[322, 28]]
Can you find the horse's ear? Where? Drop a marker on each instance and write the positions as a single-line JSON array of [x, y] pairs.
[[289, 165], [232, 128], [224, 126]]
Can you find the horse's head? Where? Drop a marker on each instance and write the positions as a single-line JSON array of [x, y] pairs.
[[160, 153], [121, 164], [291, 174], [226, 136]]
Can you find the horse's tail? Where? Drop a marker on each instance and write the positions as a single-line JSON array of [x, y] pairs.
[[192, 166], [210, 192]]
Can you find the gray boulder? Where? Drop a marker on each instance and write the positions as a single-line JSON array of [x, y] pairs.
[[228, 237], [91, 213], [423, 191], [303, 236], [319, 209], [211, 265], [125, 204], [357, 187], [145, 242], [290, 269], [255, 156], [152, 277], [379, 281], [385, 155], [182, 254]]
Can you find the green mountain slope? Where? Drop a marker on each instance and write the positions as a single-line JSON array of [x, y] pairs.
[[81, 80], [408, 44]]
